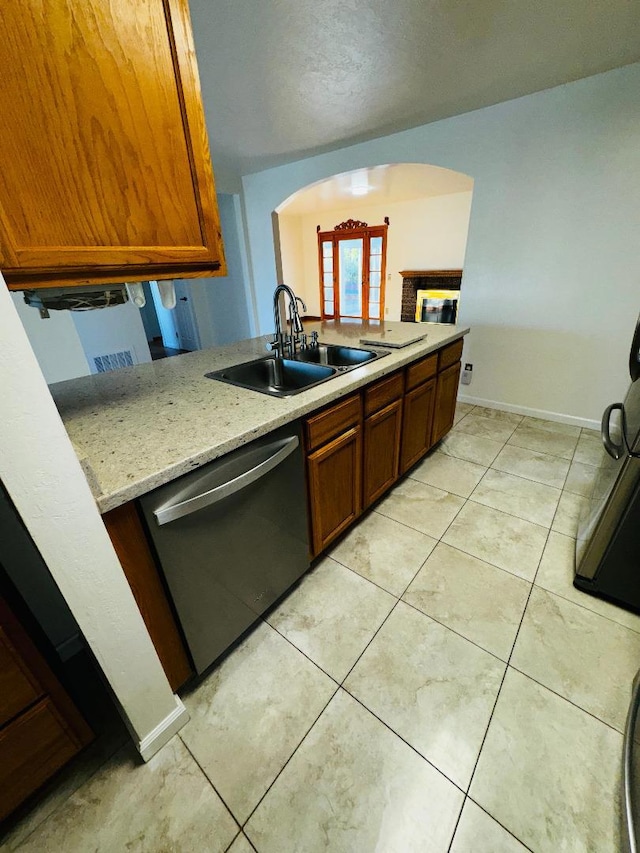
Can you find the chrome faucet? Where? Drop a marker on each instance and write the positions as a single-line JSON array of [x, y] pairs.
[[283, 343]]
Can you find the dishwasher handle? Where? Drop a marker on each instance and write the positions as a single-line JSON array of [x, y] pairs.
[[171, 512]]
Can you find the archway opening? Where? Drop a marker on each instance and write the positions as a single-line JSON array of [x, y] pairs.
[[344, 243]]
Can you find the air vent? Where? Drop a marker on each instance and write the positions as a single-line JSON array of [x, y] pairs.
[[114, 361]]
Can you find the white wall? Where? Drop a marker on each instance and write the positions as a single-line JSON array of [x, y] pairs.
[[66, 341], [46, 484], [295, 272], [108, 330], [222, 304], [55, 342], [425, 233], [552, 265]]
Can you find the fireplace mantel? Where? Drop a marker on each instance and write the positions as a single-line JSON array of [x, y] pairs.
[[431, 273], [414, 280]]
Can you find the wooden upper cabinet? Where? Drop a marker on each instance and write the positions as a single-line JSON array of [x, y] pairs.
[[106, 174]]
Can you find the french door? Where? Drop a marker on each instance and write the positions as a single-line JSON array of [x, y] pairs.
[[352, 271]]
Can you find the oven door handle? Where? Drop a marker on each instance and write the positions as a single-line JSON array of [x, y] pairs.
[[616, 451], [628, 781], [172, 511]]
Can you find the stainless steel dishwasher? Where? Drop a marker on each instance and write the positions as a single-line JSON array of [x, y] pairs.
[[231, 538]]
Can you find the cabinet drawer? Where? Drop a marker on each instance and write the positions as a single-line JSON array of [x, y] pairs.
[[450, 354], [328, 424], [378, 396], [32, 748], [421, 371], [17, 688]]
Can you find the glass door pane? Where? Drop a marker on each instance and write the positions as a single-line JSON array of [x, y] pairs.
[[375, 277], [350, 253], [327, 279]]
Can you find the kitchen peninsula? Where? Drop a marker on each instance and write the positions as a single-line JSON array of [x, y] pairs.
[[139, 428]]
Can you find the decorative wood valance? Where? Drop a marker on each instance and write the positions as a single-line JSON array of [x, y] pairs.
[[350, 225]]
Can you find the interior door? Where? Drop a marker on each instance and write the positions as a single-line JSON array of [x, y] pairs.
[[185, 318]]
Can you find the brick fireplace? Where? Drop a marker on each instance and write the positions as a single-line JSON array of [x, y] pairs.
[[415, 280]]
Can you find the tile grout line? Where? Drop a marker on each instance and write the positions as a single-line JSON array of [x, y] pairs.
[[304, 737], [565, 699], [404, 741], [216, 791], [519, 840], [515, 639]]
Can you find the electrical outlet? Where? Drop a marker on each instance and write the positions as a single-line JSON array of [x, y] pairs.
[[467, 374]]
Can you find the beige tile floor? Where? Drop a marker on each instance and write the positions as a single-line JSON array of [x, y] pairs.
[[435, 683]]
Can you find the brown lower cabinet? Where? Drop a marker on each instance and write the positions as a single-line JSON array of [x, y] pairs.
[[40, 727], [404, 415], [335, 495], [419, 405], [445, 407], [333, 443], [381, 451]]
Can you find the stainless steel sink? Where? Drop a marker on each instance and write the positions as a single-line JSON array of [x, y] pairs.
[[336, 356], [280, 377]]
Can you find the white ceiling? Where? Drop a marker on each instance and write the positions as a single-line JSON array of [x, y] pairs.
[[284, 79], [396, 182]]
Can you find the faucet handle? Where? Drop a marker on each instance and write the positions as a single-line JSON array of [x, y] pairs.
[[303, 340], [314, 339]]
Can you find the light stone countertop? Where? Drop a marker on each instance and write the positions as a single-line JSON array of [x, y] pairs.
[[139, 427]]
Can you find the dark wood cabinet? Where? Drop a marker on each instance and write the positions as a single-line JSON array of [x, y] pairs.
[[106, 172], [417, 424], [381, 451], [335, 487], [445, 404], [382, 431], [447, 389], [419, 403], [40, 727], [333, 443]]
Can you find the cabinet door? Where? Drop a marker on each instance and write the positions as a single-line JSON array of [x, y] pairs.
[[417, 424], [106, 171], [32, 748], [445, 401], [381, 451], [41, 728], [18, 687], [335, 487]]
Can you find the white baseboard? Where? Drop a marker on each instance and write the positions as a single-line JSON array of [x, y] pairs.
[[164, 731], [532, 413]]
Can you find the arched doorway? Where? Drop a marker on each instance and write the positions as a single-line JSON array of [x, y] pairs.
[[343, 242]]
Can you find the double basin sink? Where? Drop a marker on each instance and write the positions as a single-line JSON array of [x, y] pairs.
[[283, 377]]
